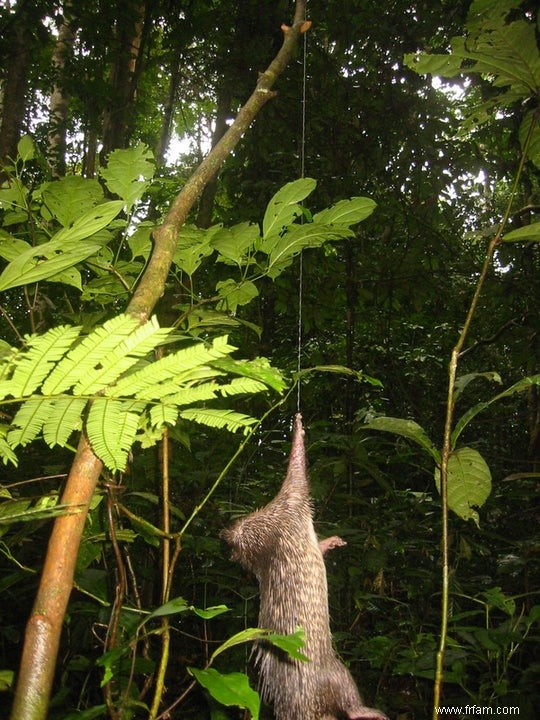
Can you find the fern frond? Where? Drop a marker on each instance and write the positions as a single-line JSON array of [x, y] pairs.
[[29, 420], [64, 418], [189, 395], [6, 453], [44, 351], [127, 353], [111, 427], [88, 353], [229, 419], [181, 366], [242, 386], [163, 415]]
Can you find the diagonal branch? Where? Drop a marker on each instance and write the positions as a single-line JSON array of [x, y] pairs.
[[44, 626]]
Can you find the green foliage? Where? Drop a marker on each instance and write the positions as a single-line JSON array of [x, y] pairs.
[[105, 367], [469, 477], [501, 50]]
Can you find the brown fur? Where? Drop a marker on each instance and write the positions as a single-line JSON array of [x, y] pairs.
[[278, 544]]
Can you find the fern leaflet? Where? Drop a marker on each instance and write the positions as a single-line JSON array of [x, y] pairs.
[[33, 366], [212, 417]]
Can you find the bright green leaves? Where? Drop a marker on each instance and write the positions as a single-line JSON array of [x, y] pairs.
[[286, 231], [468, 484], [284, 207], [346, 212], [283, 238], [70, 197], [502, 52], [129, 173], [88, 222], [108, 376], [231, 689]]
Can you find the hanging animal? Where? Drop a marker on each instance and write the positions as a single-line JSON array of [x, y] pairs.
[[278, 544]]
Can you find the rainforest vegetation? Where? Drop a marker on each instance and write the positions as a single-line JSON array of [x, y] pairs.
[[213, 214]]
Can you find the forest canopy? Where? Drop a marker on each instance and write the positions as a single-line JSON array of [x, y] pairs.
[[212, 215]]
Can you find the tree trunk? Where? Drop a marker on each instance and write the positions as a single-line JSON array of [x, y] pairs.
[[59, 102], [15, 87], [123, 77], [208, 197], [44, 626], [168, 114]]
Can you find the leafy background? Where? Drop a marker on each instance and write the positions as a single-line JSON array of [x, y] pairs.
[[386, 298]]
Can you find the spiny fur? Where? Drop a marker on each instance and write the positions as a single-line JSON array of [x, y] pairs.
[[279, 545]]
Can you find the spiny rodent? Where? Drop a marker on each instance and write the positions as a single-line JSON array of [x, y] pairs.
[[278, 544]]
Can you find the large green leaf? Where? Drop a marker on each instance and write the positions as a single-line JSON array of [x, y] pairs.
[[406, 428], [233, 244], [283, 208], [528, 233], [469, 482], [298, 238], [346, 212], [128, 172], [193, 246], [90, 222], [230, 689], [45, 261], [69, 198], [235, 293]]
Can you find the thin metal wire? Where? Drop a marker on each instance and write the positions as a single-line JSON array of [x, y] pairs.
[[301, 263]]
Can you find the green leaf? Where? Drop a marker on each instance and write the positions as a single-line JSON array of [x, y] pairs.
[[496, 598], [173, 607], [25, 148], [64, 417], [7, 678], [533, 152], [193, 246], [257, 369], [432, 64], [283, 208], [232, 244], [181, 367], [463, 380], [29, 420], [234, 294], [469, 482], [11, 247], [290, 643], [231, 690], [111, 427], [128, 172], [71, 197], [90, 222], [210, 612], [521, 386], [42, 356], [406, 428], [526, 233], [44, 261], [213, 417], [298, 238], [346, 212], [29, 510]]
